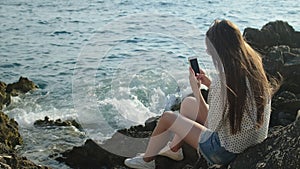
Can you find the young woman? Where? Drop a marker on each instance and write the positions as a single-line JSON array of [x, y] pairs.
[[239, 105]]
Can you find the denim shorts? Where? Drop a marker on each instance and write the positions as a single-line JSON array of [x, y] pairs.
[[210, 148]]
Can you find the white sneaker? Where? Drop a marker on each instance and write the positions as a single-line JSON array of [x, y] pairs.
[[139, 163], [166, 151]]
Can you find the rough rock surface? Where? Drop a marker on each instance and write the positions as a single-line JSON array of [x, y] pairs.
[[112, 152], [4, 97], [24, 85], [9, 138], [279, 45], [9, 132], [273, 34], [280, 150], [51, 123]]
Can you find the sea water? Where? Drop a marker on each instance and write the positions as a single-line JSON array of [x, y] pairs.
[[109, 64]]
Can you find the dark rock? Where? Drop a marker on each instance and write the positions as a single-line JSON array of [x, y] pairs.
[[279, 45], [190, 159], [284, 108], [4, 97], [272, 34], [51, 123], [280, 150], [24, 85], [112, 153], [9, 138], [9, 133], [91, 156], [150, 124], [13, 161], [280, 59], [124, 143]]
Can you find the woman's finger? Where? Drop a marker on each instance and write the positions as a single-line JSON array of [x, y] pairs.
[[191, 71], [202, 71]]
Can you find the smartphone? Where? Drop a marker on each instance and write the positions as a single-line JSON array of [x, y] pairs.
[[194, 64]]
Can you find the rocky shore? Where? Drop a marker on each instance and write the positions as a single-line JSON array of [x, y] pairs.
[[279, 45], [9, 132]]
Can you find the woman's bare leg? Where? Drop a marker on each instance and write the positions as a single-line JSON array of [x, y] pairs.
[[184, 128], [190, 109]]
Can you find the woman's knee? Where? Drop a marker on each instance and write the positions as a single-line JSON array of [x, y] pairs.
[[188, 101], [189, 107], [168, 118]]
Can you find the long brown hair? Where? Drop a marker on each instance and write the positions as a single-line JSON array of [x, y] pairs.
[[241, 64]]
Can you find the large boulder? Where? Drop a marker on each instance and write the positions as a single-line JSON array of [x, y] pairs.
[[90, 156], [272, 34]]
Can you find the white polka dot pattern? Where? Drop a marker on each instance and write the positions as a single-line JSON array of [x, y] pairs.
[[249, 134]]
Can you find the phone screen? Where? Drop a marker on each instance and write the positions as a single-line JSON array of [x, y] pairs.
[[195, 65]]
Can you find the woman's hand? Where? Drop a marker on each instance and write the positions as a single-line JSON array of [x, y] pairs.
[[204, 79], [195, 81], [198, 79]]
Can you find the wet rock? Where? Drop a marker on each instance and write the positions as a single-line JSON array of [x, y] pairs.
[[9, 133], [24, 85], [4, 97], [13, 161], [280, 150], [51, 123], [9, 138]]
